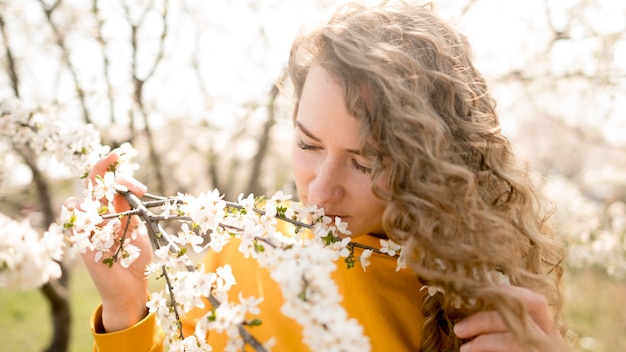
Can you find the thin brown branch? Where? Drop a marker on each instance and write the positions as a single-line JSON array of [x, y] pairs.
[[467, 7], [105, 59], [155, 230], [44, 194], [54, 291], [558, 34], [11, 68], [161, 50], [213, 161], [140, 82], [254, 185], [65, 57]]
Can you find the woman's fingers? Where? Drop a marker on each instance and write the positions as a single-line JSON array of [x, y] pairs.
[[491, 322], [99, 170], [485, 322], [134, 186], [102, 165], [492, 343], [488, 331], [537, 306]]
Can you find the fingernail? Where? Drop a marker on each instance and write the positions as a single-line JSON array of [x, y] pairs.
[[460, 327], [465, 348], [141, 187]]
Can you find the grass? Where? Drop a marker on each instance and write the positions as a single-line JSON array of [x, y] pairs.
[[595, 310], [25, 319]]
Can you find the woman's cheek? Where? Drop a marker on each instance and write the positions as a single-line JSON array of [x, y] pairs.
[[302, 168]]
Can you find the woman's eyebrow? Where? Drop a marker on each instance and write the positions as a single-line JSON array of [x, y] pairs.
[[313, 137], [306, 131]]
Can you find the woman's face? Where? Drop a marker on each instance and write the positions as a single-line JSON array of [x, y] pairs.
[[328, 169]]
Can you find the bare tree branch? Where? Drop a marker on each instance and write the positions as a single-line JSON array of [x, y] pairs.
[[155, 228], [254, 186], [105, 59], [54, 291], [65, 57], [10, 61], [140, 82], [467, 7]]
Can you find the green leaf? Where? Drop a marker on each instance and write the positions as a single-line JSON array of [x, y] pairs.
[[113, 166], [71, 223], [330, 238], [350, 261], [258, 247], [259, 199], [280, 210], [110, 261], [254, 322], [302, 296], [211, 316]]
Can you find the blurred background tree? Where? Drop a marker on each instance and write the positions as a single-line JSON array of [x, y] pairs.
[[198, 88]]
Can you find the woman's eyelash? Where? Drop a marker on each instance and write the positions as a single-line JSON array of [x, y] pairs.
[[359, 167], [300, 143]]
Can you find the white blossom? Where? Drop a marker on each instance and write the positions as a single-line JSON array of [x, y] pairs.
[[432, 290], [364, 258], [130, 253], [389, 247], [190, 344], [250, 304], [104, 187], [168, 208], [27, 259], [186, 237]]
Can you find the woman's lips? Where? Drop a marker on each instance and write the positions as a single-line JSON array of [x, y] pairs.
[[333, 216]]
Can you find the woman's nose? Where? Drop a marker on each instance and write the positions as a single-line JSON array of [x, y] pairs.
[[327, 184]]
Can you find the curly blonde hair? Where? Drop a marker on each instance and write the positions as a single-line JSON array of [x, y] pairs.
[[461, 203]]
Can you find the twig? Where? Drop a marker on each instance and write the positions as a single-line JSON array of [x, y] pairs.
[[155, 229], [65, 57], [105, 59]]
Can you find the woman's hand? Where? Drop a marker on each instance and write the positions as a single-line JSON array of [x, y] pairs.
[[123, 290], [488, 332]]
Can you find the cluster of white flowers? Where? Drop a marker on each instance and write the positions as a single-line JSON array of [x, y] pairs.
[[188, 289], [84, 222], [74, 145], [27, 259], [301, 263], [303, 271], [312, 298]]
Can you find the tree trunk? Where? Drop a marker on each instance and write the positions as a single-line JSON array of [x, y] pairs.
[[57, 294]]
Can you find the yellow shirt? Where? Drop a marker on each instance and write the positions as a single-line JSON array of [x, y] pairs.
[[385, 302]]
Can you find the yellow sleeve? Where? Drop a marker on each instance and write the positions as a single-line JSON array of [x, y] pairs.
[[145, 336]]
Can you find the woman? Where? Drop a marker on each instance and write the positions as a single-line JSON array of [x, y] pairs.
[[396, 133]]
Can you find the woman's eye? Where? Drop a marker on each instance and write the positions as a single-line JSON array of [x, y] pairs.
[[300, 143], [361, 168]]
